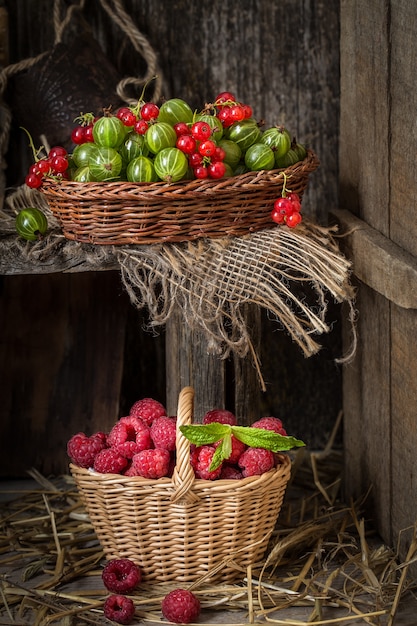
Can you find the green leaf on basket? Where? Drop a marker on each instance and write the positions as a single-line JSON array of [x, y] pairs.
[[262, 438], [205, 434], [223, 451]]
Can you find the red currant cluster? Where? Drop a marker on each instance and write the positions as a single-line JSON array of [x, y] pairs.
[[204, 155], [287, 210], [228, 110], [54, 164], [83, 133]]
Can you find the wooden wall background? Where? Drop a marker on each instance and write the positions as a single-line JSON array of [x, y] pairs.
[[378, 177], [74, 355]]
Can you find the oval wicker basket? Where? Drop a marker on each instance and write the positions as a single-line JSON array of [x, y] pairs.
[[122, 213], [182, 528]]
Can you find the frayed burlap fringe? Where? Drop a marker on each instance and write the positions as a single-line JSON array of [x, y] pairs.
[[290, 273]]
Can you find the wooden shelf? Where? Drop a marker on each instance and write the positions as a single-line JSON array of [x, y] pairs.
[[377, 261]]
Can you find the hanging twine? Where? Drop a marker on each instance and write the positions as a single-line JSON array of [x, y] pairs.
[[142, 46]]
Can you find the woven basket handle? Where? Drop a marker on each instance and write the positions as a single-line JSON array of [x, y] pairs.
[[183, 476]]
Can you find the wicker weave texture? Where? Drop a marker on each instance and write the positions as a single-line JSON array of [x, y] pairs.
[[180, 529], [122, 213]]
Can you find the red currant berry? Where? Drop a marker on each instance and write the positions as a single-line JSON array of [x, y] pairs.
[[88, 133], [43, 166], [219, 154], [127, 116], [195, 159], [182, 128], [225, 117], [295, 200], [186, 144], [224, 96], [216, 169], [201, 131], [59, 164], [207, 148], [277, 216], [248, 111], [33, 181], [284, 205], [141, 126], [78, 135], [35, 170], [149, 111], [57, 151], [237, 113], [200, 172], [293, 220]]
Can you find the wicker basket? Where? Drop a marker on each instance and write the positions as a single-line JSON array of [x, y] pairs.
[[146, 213], [182, 528]]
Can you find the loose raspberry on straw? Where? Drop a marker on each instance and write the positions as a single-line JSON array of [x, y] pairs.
[[121, 576], [181, 606], [119, 609]]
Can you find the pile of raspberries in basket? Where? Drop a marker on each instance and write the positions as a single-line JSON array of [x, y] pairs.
[[143, 444]]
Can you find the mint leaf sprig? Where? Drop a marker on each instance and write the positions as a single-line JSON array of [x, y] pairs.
[[206, 434]]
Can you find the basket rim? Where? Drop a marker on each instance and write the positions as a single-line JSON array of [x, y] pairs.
[[242, 181]]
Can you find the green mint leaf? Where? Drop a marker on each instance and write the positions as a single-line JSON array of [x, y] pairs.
[[223, 451], [262, 438], [205, 434]]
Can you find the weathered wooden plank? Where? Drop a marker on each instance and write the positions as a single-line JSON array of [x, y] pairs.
[[403, 129], [364, 190], [63, 260], [189, 362], [367, 417], [378, 261], [61, 365], [403, 431], [247, 380], [364, 110]]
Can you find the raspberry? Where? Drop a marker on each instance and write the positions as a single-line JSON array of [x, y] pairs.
[[181, 606], [82, 450], [271, 423], [229, 472], [164, 432], [222, 416], [109, 461], [256, 461], [147, 409], [121, 576], [201, 459], [129, 436], [130, 471], [238, 448], [153, 463], [120, 609]]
